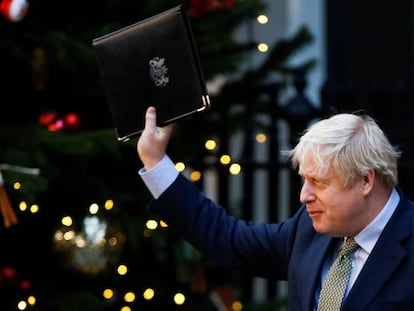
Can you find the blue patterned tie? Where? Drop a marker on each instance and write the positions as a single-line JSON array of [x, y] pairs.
[[334, 286]]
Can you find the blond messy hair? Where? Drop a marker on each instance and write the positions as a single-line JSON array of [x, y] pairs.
[[351, 145]]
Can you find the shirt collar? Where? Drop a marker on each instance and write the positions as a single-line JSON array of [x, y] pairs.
[[367, 238]]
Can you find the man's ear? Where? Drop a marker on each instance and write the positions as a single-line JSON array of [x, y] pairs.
[[368, 182]]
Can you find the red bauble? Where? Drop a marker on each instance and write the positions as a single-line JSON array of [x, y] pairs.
[[8, 275], [46, 118], [25, 284], [71, 121]]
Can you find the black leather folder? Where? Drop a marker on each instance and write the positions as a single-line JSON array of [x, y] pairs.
[[153, 62]]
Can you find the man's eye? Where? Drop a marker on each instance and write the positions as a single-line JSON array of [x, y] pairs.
[[315, 181]]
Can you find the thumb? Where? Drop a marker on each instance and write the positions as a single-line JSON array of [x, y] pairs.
[[150, 119]]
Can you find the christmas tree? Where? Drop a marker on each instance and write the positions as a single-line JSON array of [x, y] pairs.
[[76, 233]]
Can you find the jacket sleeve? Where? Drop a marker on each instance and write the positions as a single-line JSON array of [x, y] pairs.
[[262, 250]]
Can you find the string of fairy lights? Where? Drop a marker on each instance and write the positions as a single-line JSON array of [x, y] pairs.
[[262, 19], [94, 233]]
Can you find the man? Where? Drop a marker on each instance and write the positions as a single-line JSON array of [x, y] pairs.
[[349, 192]]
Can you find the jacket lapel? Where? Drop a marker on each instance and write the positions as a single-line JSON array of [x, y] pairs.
[[385, 257], [312, 267]]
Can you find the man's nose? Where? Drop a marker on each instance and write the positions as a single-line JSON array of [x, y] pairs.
[[306, 193]]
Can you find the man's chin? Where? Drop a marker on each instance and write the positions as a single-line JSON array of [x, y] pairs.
[[318, 227]]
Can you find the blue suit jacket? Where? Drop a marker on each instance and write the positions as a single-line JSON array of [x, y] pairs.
[[293, 251]]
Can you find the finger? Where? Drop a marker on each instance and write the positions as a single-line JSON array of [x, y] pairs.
[[150, 118]]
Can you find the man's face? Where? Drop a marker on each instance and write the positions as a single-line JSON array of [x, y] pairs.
[[334, 209]]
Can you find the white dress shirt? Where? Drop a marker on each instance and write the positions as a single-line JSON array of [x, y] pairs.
[[160, 177]]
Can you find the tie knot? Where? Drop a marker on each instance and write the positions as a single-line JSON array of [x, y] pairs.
[[349, 246]]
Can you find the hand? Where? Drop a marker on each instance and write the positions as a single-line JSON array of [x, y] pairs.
[[153, 142]]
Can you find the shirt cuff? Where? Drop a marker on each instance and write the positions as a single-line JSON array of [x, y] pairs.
[[160, 177]]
